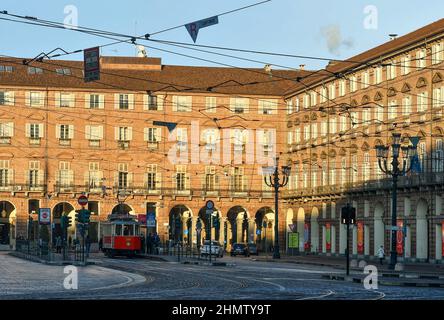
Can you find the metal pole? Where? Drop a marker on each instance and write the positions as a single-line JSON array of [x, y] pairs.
[[393, 253], [348, 241], [276, 254], [210, 229]]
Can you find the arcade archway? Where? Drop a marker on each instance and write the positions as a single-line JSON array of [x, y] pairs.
[[7, 223], [180, 224]]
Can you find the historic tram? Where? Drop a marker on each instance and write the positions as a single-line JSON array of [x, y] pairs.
[[121, 236]]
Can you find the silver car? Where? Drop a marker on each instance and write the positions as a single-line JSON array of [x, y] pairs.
[[216, 249]]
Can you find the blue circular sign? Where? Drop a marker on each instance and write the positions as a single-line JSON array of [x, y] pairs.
[[210, 204]]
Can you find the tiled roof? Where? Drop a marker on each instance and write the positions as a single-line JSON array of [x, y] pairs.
[[169, 78], [418, 36]]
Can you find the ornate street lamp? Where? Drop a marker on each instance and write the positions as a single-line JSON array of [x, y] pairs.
[[274, 182], [398, 169]]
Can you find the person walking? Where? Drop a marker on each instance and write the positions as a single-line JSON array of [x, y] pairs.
[[149, 243], [381, 255], [58, 244], [88, 245]]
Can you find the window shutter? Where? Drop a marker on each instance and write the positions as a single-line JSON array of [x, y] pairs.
[[41, 133], [101, 101], [72, 100], [158, 134], [42, 99], [28, 98], [130, 133], [41, 177], [28, 130], [10, 126], [247, 105], [87, 100], [145, 134], [70, 177], [130, 179], [261, 106], [57, 131], [86, 178], [145, 102], [158, 180], [10, 177], [175, 98], [116, 101], [116, 133], [160, 101], [232, 104], [100, 132], [189, 103], [88, 132], [131, 101], [10, 98], [71, 131]]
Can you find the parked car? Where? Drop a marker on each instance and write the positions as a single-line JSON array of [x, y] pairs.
[[216, 249], [240, 249], [252, 249]]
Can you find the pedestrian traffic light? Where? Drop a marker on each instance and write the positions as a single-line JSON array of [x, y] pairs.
[[68, 221]]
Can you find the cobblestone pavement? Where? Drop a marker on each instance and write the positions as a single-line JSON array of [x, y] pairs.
[[245, 280], [24, 279], [175, 281]]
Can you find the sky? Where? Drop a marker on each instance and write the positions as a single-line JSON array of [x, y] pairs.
[[329, 29]]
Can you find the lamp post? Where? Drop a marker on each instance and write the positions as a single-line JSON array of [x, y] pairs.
[[274, 182], [382, 153]]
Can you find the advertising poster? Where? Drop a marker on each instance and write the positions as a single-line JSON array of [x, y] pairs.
[[328, 236], [293, 240], [360, 237], [400, 238], [307, 236]]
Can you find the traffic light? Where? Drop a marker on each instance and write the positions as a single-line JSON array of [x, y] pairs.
[[79, 216], [83, 215], [348, 215], [63, 222], [68, 221], [86, 215]]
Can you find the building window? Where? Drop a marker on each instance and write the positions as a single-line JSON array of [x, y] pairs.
[[421, 59], [297, 137], [210, 179], [34, 99], [290, 106], [343, 171], [437, 53], [422, 155], [239, 105], [422, 101], [237, 179], [34, 175], [94, 176], [66, 175], [152, 102], [366, 167], [34, 70], [332, 91], [210, 138], [181, 178], [342, 88], [378, 75], [64, 72], [267, 106], [152, 177], [6, 130], [210, 104], [438, 157], [314, 131], [94, 101], [353, 83], [124, 133], [391, 70], [405, 65], [393, 110], [6, 98], [324, 94], [34, 130], [5, 173], [365, 80], [6, 68], [438, 96], [332, 176], [123, 102], [333, 126], [123, 176], [182, 139], [182, 103]]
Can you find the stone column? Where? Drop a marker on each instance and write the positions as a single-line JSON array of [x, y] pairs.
[[251, 230], [239, 221], [229, 234], [222, 230], [184, 219], [193, 230]]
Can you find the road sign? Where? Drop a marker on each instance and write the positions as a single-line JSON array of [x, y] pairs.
[[292, 227], [91, 62], [82, 200], [293, 240], [210, 205], [45, 216]]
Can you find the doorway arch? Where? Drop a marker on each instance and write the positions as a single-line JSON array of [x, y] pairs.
[[237, 225], [7, 223], [301, 228], [59, 210], [314, 239], [180, 223]]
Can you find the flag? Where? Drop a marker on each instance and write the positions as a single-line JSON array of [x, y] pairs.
[[193, 27]]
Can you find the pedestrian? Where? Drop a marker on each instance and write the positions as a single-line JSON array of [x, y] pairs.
[[101, 244], [58, 244], [142, 243], [156, 242], [88, 245], [381, 254], [149, 243]]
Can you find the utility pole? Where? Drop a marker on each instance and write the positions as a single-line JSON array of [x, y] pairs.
[[274, 182]]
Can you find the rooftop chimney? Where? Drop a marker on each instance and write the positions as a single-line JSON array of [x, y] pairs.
[[393, 36], [302, 67]]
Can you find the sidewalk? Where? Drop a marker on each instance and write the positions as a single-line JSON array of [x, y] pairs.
[[422, 269]]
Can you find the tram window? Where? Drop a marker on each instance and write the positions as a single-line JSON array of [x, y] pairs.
[[118, 230], [137, 230], [128, 230]]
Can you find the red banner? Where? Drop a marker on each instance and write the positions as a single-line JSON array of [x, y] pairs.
[[400, 238], [328, 236], [360, 237]]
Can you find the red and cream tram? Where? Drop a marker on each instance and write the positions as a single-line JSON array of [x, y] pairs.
[[121, 236]]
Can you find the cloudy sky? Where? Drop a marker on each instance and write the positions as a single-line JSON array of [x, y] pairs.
[[328, 29]]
